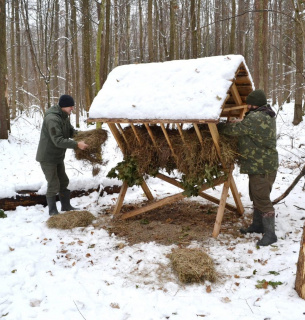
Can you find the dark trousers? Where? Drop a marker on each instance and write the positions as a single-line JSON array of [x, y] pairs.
[[260, 186], [56, 177]]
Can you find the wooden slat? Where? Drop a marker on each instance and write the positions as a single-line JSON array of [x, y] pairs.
[[122, 134], [217, 182], [179, 127], [167, 139], [125, 120], [116, 135], [215, 137], [235, 94], [243, 80], [135, 133], [235, 108], [198, 133], [150, 134], [154, 205], [216, 201]]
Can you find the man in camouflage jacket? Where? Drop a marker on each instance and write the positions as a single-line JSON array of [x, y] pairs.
[[259, 159], [54, 140]]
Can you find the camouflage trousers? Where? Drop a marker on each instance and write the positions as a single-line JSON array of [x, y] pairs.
[[56, 177], [260, 186]]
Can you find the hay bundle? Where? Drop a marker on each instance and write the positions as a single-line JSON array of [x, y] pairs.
[[192, 265], [71, 219], [94, 138]]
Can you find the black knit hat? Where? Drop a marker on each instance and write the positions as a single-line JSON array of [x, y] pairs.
[[256, 98], [66, 101]]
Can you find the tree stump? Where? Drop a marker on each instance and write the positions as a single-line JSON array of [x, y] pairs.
[[300, 277]]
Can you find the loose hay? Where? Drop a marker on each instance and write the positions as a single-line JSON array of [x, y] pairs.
[[192, 265], [94, 138], [71, 219]]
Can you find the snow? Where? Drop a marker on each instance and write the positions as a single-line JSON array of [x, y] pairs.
[[85, 273], [183, 89]]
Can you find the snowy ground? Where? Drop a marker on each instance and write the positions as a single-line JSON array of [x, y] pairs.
[[87, 274]]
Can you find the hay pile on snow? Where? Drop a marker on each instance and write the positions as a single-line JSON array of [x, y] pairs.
[[71, 219], [192, 265]]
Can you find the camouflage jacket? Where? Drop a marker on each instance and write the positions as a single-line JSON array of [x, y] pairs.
[[55, 136], [256, 141]]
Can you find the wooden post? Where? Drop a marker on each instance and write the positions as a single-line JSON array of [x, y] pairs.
[[221, 207], [120, 199], [300, 277]]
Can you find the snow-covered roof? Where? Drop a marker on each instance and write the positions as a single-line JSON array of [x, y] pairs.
[[180, 89]]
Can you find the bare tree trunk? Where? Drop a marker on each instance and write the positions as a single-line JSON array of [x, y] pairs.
[[67, 60], [13, 61], [173, 31], [75, 61], [55, 60], [233, 29], [116, 34], [107, 42], [241, 32], [4, 116], [257, 44], [86, 54], [299, 47], [34, 59], [217, 28], [99, 42], [264, 69], [162, 32], [300, 276], [150, 32], [20, 70], [194, 52], [141, 32], [275, 71]]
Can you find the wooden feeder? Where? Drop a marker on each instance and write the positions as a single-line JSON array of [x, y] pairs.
[[223, 82]]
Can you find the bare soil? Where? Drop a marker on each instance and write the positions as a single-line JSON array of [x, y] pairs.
[[179, 223]]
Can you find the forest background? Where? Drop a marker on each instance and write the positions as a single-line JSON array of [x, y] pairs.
[[52, 47]]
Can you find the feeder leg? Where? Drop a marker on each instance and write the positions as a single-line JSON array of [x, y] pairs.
[[120, 199], [239, 205], [221, 207], [147, 191]]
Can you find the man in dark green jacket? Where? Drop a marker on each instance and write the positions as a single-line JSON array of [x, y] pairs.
[[54, 140], [259, 159]]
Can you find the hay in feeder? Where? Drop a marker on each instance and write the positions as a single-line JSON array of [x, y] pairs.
[[94, 138], [190, 157], [192, 265], [197, 161], [71, 219]]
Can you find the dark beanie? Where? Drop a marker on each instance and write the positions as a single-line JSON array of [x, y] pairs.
[[256, 98], [66, 101]]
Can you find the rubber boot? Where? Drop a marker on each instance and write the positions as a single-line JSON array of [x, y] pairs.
[[51, 201], [269, 236], [64, 198], [256, 225]]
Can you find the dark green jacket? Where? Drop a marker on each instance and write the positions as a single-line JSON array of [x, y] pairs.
[[55, 136], [256, 140]]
